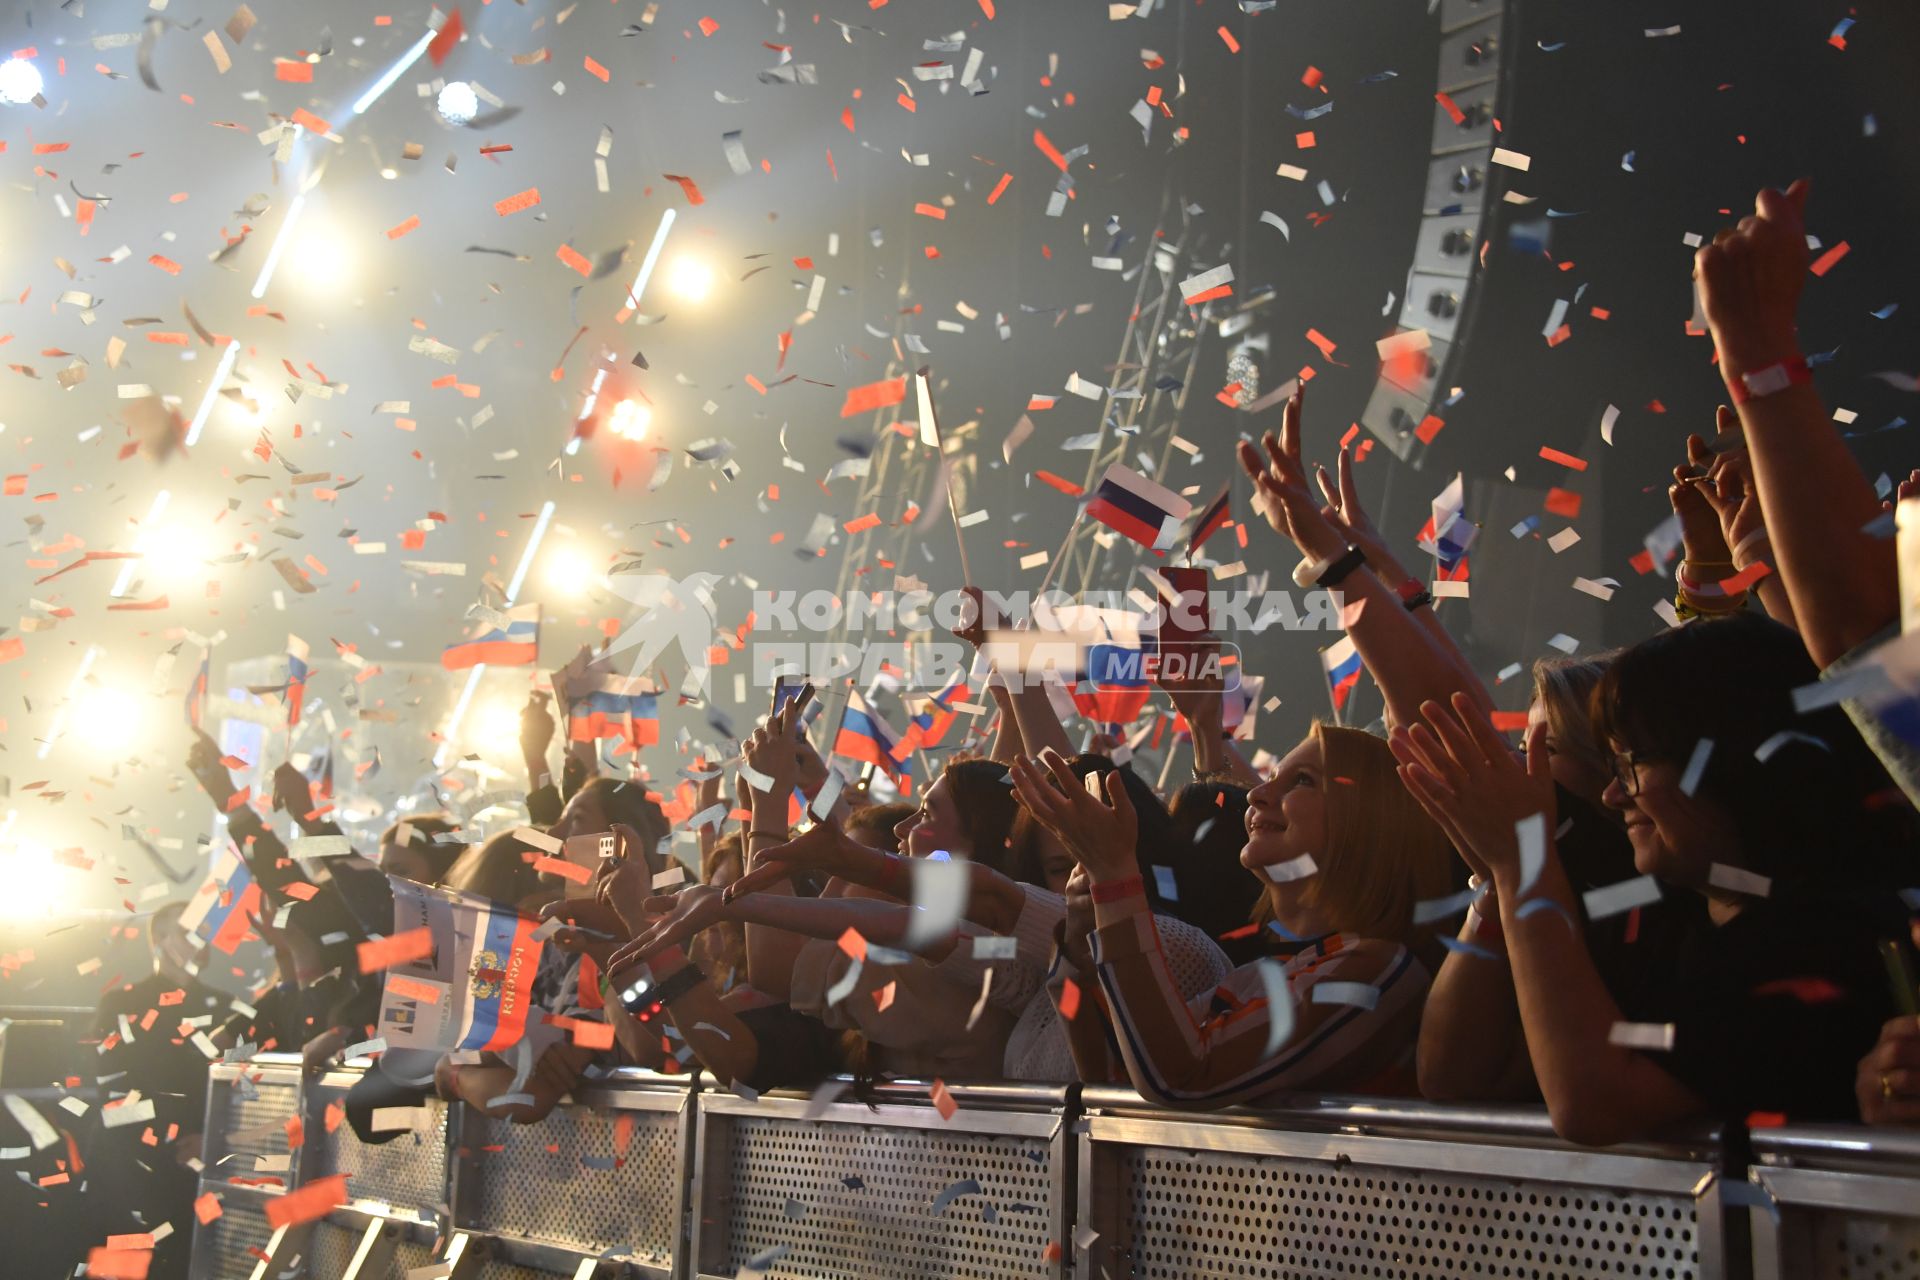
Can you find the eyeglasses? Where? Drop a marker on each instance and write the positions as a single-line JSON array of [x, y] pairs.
[[1626, 770]]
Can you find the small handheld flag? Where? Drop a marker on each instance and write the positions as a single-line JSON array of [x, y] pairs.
[[513, 642], [1129, 503], [1211, 521], [296, 679], [1341, 663]]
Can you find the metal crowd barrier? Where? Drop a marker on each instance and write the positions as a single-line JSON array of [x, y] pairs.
[[671, 1179], [1831, 1203]]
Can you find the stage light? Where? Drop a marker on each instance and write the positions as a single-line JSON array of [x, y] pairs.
[[690, 279], [20, 82], [174, 553], [321, 260], [35, 882], [630, 420], [498, 725], [458, 103], [571, 572], [108, 721]]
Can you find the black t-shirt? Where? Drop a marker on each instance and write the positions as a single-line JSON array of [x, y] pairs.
[[1632, 950], [1773, 1010], [796, 1051]]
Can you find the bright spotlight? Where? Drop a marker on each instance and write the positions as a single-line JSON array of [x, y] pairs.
[[20, 81], [35, 883], [498, 724], [109, 721], [321, 260], [173, 553], [458, 103], [631, 419], [570, 572], [690, 278]]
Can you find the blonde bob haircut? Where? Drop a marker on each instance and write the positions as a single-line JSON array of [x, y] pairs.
[[1564, 686], [1383, 853]]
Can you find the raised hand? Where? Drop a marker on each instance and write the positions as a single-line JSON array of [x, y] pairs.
[[1751, 278], [676, 920], [594, 928], [292, 792], [1344, 512], [1195, 696], [1099, 832], [1729, 488], [1466, 777], [823, 848], [1281, 479], [774, 750], [204, 762], [1691, 497], [536, 731]]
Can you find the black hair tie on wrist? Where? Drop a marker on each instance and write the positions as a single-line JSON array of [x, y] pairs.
[[1341, 568]]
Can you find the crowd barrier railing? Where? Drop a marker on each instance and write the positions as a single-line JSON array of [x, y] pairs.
[[1835, 1202], [667, 1178]]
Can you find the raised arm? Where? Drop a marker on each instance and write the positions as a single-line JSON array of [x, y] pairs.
[[1189, 1056], [1842, 582], [1391, 642], [1464, 775], [1343, 508]]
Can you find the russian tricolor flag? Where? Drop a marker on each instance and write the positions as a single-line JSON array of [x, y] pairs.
[[1341, 661], [296, 678], [499, 979], [1447, 533], [515, 644], [197, 693], [218, 912], [1211, 521], [1114, 687], [936, 717], [1129, 503], [865, 736], [621, 707]]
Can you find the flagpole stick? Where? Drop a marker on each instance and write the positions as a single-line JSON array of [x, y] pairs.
[[959, 537], [1166, 767], [1059, 555]]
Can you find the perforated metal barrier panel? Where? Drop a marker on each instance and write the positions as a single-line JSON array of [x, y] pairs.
[[894, 1192], [670, 1183], [247, 1114], [409, 1172], [606, 1174], [1832, 1206], [222, 1248], [1164, 1198]]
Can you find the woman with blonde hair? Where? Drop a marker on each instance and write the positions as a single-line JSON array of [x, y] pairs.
[[1344, 853]]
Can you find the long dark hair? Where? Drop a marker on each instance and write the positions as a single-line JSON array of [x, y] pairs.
[[1154, 842], [983, 793], [1209, 828], [1818, 807], [627, 802]]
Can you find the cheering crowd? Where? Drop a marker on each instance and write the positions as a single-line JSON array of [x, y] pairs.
[[1681, 897]]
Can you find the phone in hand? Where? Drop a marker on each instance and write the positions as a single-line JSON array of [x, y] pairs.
[[791, 689], [588, 852], [1185, 617]]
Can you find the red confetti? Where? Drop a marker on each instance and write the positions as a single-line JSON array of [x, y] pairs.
[[1825, 262], [315, 1200], [401, 948], [514, 204], [448, 37]]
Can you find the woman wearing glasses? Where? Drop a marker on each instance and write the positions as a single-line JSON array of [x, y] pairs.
[[1782, 832]]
